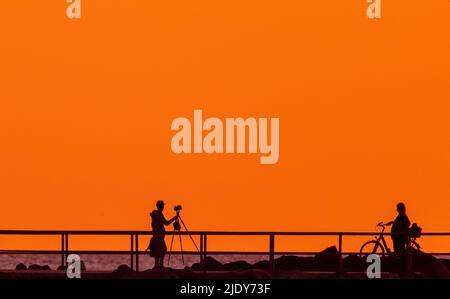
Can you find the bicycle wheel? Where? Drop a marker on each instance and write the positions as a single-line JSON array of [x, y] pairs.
[[371, 247]]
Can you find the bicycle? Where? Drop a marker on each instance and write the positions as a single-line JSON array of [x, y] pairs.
[[379, 245]]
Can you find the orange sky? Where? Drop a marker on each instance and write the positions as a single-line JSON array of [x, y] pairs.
[[86, 108]]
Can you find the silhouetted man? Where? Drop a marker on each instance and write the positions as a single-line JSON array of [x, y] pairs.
[[157, 243], [400, 225]]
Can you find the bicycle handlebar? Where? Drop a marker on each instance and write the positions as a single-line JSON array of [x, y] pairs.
[[381, 224]]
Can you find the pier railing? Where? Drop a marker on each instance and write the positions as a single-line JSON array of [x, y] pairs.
[[134, 237]]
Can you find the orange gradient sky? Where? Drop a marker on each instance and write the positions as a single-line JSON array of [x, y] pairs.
[[86, 107]]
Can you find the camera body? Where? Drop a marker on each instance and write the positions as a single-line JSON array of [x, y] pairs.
[[176, 224]]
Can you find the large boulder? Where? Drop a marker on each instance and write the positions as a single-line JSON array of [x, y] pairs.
[[446, 262], [210, 264], [308, 263], [327, 260], [435, 270], [392, 263], [122, 271], [354, 263], [288, 263], [420, 259], [291, 263], [235, 266], [261, 265], [39, 268], [398, 263]]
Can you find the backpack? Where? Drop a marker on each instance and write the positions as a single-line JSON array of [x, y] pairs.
[[415, 231]]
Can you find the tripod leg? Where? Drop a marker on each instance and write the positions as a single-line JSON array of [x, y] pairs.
[[190, 236], [170, 250], [181, 246]]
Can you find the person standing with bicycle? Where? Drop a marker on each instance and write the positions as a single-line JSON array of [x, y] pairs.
[[400, 225]]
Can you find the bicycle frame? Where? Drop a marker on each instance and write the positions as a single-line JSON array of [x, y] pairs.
[[383, 240]]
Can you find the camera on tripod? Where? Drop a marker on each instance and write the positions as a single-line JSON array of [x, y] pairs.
[[177, 208], [176, 224], [177, 229]]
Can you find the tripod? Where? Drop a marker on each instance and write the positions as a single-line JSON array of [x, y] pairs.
[[177, 229]]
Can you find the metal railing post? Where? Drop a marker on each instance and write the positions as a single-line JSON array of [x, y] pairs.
[[63, 247], [339, 268], [136, 238], [205, 251], [201, 250], [67, 247], [271, 252], [131, 252]]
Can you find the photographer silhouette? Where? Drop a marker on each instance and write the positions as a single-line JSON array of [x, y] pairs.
[[157, 244]]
